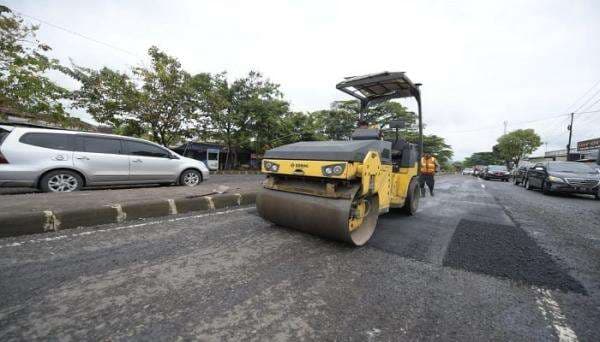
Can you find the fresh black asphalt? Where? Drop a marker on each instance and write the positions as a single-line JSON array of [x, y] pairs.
[[506, 251]]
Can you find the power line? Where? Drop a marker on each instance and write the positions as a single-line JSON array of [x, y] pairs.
[[514, 124], [582, 96], [593, 104], [588, 112], [79, 34], [492, 127], [588, 100]]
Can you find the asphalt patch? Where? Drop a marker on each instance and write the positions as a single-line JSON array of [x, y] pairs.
[[506, 252]]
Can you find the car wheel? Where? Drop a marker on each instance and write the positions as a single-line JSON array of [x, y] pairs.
[[527, 185], [61, 181], [597, 195], [190, 178], [546, 188]]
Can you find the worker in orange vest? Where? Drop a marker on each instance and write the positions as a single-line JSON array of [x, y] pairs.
[[429, 166]]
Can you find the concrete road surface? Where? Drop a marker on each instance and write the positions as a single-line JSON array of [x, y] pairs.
[[480, 261]]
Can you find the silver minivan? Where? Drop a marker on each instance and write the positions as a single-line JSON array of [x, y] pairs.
[[55, 160]]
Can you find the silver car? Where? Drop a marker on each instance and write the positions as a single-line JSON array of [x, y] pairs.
[[56, 160]]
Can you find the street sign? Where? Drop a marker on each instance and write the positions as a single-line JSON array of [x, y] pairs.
[[590, 144]]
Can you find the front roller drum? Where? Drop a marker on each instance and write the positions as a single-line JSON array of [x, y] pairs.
[[352, 221]]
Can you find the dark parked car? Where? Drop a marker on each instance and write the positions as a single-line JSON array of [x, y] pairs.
[[496, 172], [520, 172], [565, 177]]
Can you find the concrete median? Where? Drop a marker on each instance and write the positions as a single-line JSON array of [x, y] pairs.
[[16, 224]]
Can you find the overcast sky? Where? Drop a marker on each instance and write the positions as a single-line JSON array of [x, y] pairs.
[[481, 62]]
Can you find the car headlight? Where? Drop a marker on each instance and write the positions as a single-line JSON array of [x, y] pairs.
[[333, 170], [556, 179]]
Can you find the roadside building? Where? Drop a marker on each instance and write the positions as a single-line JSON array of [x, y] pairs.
[[208, 153], [589, 151], [556, 155], [9, 115]]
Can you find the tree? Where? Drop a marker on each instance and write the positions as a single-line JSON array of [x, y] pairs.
[[297, 126], [162, 99], [338, 123], [433, 144], [261, 105], [482, 158], [334, 124], [24, 85], [517, 144], [457, 166], [246, 113]]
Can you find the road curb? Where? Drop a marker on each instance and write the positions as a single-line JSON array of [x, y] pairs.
[[17, 224]]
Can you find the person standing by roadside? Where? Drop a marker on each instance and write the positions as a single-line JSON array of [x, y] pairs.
[[429, 166]]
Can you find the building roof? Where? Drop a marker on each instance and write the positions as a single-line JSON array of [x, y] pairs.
[[43, 120]]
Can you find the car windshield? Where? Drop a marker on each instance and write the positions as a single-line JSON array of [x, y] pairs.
[[570, 167], [497, 168]]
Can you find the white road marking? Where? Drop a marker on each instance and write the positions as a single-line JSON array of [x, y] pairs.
[[483, 186], [552, 313], [61, 237]]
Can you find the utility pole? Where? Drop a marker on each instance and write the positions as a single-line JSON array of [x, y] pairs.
[[505, 125], [570, 127]]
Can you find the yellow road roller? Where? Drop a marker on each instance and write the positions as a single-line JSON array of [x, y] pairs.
[[338, 189]]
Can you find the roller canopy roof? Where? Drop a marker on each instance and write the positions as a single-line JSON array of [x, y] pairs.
[[379, 87]]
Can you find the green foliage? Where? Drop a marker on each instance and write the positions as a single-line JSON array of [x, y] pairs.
[[517, 144], [335, 124], [249, 113], [457, 166], [433, 144], [482, 158], [296, 126], [162, 99], [339, 121], [24, 85]]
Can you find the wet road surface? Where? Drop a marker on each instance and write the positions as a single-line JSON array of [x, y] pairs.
[[480, 261]]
